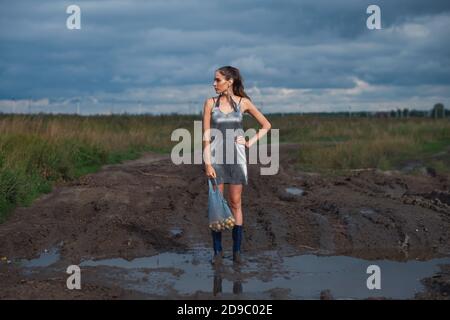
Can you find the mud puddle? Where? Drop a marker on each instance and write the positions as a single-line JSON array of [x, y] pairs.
[[294, 191], [264, 276], [46, 258]]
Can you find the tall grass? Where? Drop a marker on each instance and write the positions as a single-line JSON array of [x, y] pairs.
[[340, 143], [37, 151]]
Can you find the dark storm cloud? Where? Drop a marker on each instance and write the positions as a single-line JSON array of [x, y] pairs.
[[133, 50]]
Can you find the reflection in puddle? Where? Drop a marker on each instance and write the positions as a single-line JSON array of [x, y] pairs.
[[299, 277], [295, 191], [367, 211], [47, 258], [176, 232], [184, 272]]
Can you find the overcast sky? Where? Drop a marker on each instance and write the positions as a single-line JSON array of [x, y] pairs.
[[160, 56]]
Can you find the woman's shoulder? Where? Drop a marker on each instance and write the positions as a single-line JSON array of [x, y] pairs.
[[209, 104], [244, 99], [244, 104], [211, 100]]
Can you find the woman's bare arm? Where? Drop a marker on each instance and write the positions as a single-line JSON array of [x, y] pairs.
[[262, 120], [207, 107]]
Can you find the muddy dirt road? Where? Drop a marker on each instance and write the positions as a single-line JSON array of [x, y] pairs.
[[139, 230]]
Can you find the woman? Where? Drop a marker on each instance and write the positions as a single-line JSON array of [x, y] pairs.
[[221, 113]]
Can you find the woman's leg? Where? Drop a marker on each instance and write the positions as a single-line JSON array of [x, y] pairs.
[[221, 187], [234, 199]]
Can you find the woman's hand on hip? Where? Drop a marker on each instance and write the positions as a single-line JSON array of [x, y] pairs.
[[241, 140]]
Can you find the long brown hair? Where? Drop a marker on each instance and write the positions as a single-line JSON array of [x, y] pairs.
[[230, 72]]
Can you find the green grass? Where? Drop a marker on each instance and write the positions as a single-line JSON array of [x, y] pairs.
[[336, 145], [38, 151]]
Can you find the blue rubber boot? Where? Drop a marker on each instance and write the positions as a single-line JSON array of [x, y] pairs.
[[237, 239], [217, 245]]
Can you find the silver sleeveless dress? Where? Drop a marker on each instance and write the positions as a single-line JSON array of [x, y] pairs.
[[228, 157]]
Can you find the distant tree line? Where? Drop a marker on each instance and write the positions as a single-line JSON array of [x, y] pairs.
[[438, 111]]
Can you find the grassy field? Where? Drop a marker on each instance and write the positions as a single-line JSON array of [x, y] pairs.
[[335, 144], [37, 151]]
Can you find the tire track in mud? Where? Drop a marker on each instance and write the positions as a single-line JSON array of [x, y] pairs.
[[327, 237]]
